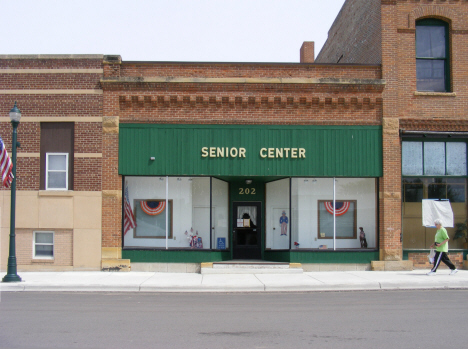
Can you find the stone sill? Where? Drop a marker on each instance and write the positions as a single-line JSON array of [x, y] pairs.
[[56, 193], [435, 94], [44, 260]]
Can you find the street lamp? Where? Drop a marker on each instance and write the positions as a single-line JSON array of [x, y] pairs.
[[12, 276]]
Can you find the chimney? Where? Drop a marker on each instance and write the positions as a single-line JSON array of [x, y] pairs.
[[307, 52]]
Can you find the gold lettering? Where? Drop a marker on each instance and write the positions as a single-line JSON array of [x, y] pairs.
[[294, 153], [287, 151], [220, 153], [233, 152], [204, 152], [271, 152], [262, 153], [279, 152], [212, 152], [242, 152], [301, 153]]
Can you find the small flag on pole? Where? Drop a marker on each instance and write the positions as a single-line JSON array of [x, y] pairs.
[[6, 166], [129, 218]]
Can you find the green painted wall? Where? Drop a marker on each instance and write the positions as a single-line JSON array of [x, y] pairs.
[[330, 151], [341, 257], [174, 256], [197, 256]]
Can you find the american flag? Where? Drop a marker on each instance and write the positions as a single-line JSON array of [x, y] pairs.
[[6, 166], [129, 218]]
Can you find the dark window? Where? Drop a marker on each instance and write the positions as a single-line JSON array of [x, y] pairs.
[[432, 51], [57, 142]]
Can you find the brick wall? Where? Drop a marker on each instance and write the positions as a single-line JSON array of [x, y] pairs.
[[420, 260], [409, 109], [74, 83], [51, 88], [355, 35], [136, 97]]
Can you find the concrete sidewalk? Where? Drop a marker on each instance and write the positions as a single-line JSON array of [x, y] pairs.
[[75, 281]]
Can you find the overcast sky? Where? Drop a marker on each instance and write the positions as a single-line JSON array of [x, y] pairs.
[[167, 30]]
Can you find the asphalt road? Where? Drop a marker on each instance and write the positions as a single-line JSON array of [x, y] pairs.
[[372, 319]]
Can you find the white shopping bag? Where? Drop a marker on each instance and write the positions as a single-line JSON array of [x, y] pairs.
[[431, 256]]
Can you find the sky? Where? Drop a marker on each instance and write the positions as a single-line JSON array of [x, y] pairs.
[[167, 30]]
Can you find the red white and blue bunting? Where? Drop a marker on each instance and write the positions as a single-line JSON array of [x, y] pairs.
[[153, 208], [341, 207]]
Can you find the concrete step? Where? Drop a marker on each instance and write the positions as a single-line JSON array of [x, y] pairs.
[[115, 264], [250, 267]]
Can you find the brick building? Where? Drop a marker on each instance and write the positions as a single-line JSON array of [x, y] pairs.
[[58, 214], [273, 161]]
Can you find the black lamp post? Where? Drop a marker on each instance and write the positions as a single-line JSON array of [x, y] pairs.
[[12, 276]]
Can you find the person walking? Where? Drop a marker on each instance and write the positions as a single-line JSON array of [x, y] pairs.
[[441, 244]]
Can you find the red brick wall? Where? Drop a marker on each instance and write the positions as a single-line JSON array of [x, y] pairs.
[[420, 260], [134, 101], [355, 35], [88, 135], [251, 70], [442, 112]]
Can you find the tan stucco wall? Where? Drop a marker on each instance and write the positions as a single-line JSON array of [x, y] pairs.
[[79, 212]]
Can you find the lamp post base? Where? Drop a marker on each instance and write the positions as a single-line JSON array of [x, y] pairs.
[[11, 278]]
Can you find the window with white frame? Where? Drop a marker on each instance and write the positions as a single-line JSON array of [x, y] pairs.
[[43, 244], [57, 171], [57, 146]]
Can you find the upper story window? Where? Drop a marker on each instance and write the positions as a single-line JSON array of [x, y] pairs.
[[57, 171], [432, 56], [434, 158], [57, 144]]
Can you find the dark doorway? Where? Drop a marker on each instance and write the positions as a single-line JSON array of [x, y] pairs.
[[247, 219]]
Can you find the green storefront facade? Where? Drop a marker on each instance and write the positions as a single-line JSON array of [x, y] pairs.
[[203, 193]]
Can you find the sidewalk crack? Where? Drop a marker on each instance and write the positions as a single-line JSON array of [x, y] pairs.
[[264, 286]]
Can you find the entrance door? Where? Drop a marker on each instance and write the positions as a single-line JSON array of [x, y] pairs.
[[247, 218]]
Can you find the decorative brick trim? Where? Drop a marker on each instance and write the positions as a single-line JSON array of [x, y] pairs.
[[51, 92], [88, 155], [164, 101], [55, 119], [29, 155], [51, 71], [164, 79], [433, 125], [431, 11]]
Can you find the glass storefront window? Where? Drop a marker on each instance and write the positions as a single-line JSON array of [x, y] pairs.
[[305, 197], [361, 196], [314, 226], [415, 235], [277, 218], [182, 220], [220, 214]]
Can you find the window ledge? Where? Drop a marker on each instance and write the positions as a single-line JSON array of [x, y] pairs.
[[436, 94], [43, 260], [56, 193]]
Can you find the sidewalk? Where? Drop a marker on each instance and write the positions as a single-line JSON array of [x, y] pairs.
[[75, 281]]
